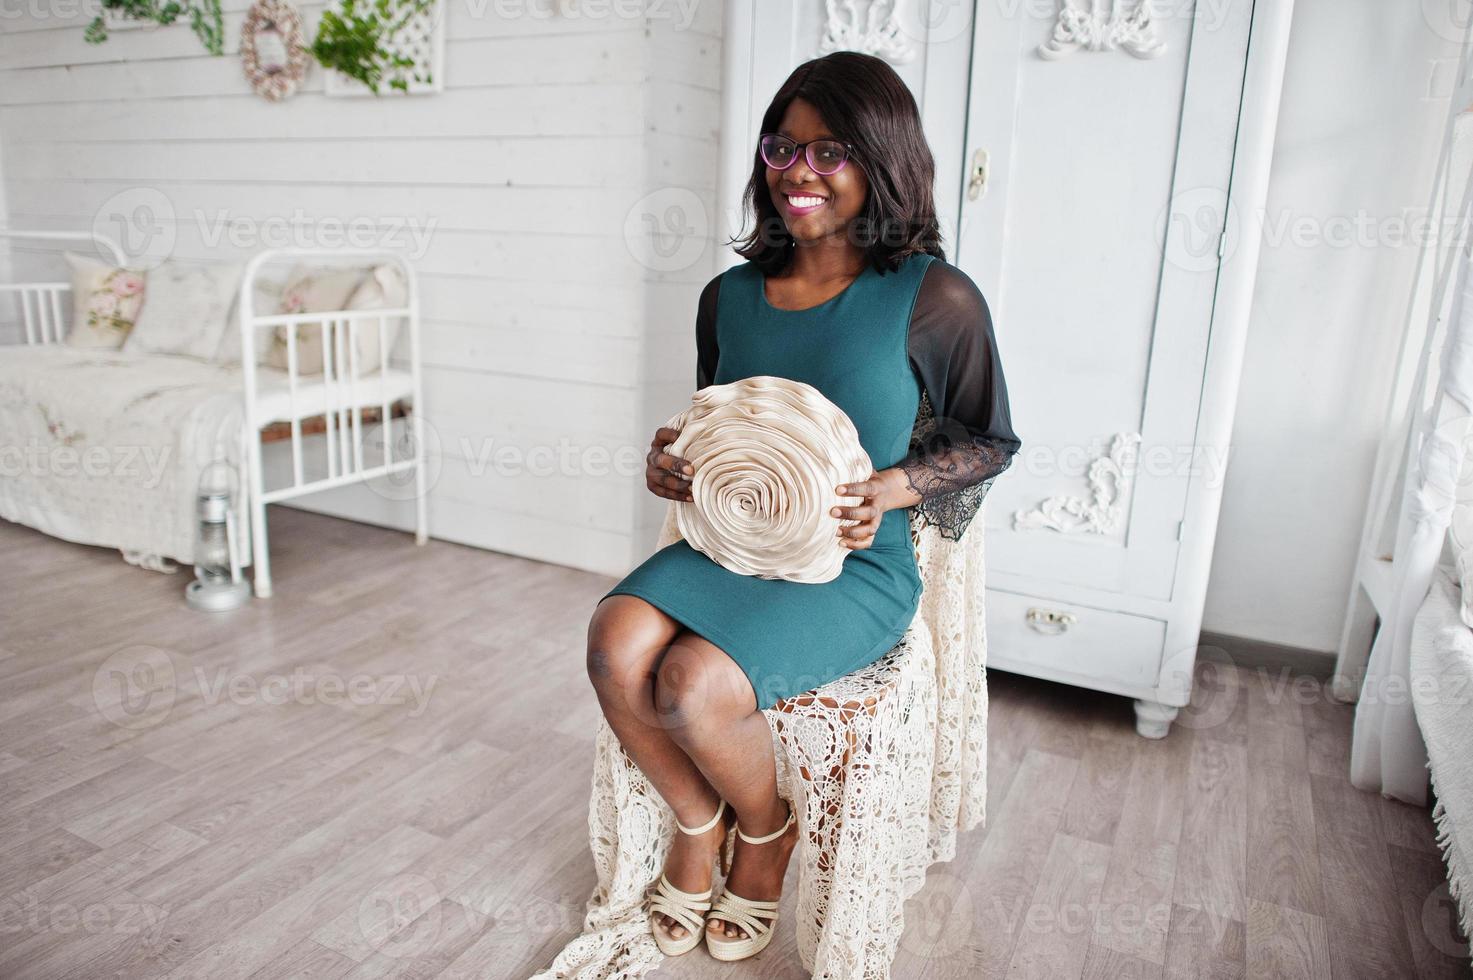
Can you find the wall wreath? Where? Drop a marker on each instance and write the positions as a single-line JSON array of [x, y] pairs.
[[272, 52]]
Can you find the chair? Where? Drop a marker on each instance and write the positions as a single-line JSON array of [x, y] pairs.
[[883, 767]]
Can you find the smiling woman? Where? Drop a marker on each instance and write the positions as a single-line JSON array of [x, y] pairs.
[[845, 288]]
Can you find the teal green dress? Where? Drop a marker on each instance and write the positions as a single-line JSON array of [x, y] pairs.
[[791, 637]]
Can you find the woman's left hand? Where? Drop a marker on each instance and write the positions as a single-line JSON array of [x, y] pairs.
[[886, 490]]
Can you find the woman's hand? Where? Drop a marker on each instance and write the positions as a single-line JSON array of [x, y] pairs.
[[666, 475], [885, 490]]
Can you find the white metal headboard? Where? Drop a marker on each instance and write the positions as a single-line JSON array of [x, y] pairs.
[[343, 395], [40, 302]]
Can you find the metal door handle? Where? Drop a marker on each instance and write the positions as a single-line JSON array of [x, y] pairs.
[[977, 186]]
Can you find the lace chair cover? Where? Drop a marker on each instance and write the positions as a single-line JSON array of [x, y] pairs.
[[883, 767]]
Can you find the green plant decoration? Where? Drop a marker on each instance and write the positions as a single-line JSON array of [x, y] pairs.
[[351, 39], [204, 19]]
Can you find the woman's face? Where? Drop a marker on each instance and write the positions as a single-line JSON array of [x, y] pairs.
[[839, 196]]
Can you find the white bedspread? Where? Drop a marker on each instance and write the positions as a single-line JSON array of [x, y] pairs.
[[1441, 675], [106, 447]]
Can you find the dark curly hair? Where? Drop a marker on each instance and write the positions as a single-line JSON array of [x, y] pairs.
[[866, 104]]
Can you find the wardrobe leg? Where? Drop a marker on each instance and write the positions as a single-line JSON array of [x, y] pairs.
[[1153, 719]]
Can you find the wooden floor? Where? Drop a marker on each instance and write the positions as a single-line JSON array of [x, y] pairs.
[[383, 771]]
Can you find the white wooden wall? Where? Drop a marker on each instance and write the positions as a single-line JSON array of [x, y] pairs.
[[11, 331], [542, 326]]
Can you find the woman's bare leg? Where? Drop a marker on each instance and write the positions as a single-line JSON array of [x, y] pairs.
[[627, 639], [713, 716]]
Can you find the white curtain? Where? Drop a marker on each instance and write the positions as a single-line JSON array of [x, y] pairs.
[[1387, 753]]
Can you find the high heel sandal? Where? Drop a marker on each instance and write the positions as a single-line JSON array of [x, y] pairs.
[[686, 908], [744, 912]]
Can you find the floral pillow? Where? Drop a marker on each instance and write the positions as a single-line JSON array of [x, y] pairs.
[[106, 301], [320, 289]]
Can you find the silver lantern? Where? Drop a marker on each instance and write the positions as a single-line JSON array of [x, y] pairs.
[[218, 584]]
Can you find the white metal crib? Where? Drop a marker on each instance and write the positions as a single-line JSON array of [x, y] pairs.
[[339, 399], [288, 407]]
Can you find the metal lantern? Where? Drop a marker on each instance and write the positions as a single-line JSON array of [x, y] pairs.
[[218, 584]]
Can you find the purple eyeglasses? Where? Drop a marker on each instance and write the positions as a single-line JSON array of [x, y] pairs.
[[825, 156]]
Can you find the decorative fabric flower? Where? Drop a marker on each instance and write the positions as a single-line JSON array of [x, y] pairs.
[[768, 453]]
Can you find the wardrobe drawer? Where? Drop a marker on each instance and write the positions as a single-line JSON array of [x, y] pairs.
[[1076, 643]]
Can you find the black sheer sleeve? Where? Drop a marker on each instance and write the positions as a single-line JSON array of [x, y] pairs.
[[706, 349], [963, 436]]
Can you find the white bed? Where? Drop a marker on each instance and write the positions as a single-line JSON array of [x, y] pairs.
[[1441, 680], [105, 447]]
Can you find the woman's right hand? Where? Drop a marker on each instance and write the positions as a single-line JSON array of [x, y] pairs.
[[666, 475]]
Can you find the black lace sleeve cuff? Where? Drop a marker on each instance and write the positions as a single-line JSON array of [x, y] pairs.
[[951, 470], [963, 436]]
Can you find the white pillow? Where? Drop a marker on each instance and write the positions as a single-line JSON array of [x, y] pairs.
[[187, 310], [105, 302], [384, 289], [324, 290], [312, 289], [266, 301]]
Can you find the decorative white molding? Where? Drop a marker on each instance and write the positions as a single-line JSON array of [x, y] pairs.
[[1103, 28], [878, 32], [1109, 480]]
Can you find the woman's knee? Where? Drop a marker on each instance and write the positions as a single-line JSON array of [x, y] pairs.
[[623, 646], [697, 689]]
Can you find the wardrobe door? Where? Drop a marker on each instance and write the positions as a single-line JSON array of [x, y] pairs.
[[1094, 231]]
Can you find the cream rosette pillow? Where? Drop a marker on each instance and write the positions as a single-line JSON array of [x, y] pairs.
[[768, 453]]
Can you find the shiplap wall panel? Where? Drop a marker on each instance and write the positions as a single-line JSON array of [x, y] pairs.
[[610, 109], [203, 212], [513, 161], [542, 328], [594, 59], [583, 262], [464, 19], [39, 42], [573, 307]]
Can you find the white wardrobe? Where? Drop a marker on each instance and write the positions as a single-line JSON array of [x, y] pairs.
[[1101, 173]]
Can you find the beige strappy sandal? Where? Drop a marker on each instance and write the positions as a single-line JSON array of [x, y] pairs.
[[687, 908], [745, 912]]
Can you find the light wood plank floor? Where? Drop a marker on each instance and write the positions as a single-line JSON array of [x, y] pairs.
[[383, 771]]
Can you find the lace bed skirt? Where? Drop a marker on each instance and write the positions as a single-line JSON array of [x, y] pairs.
[[883, 767]]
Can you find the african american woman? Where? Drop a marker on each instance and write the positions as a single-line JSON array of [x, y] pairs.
[[845, 287]]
